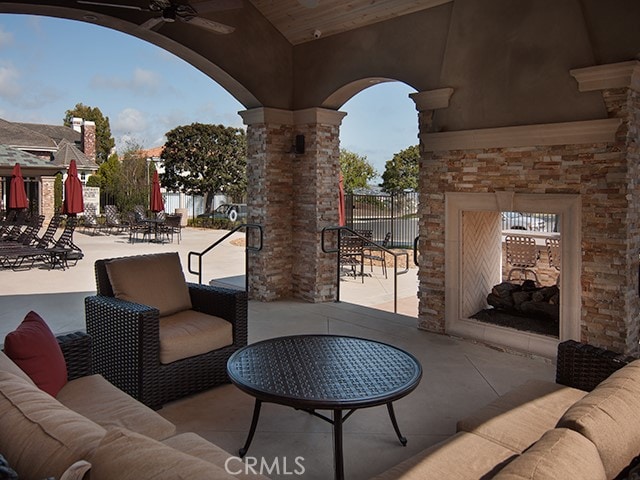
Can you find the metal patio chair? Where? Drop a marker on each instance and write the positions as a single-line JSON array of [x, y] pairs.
[[352, 254], [522, 255], [553, 251]]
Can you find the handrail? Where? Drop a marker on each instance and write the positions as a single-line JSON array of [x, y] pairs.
[[370, 243], [415, 251], [247, 247]]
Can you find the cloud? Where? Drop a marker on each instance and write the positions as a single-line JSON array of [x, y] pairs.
[[6, 38], [141, 81], [10, 86], [130, 120]]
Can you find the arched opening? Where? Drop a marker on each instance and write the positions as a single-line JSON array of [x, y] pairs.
[[381, 122]]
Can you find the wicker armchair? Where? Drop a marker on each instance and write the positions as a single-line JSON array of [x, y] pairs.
[[126, 343], [584, 366]]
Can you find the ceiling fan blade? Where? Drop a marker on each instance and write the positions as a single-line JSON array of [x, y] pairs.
[[215, 27], [216, 5], [153, 23], [309, 3], [115, 5]]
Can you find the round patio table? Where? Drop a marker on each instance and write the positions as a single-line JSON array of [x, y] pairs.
[[324, 372]]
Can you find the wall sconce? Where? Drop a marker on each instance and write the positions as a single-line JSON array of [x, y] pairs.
[[298, 146]]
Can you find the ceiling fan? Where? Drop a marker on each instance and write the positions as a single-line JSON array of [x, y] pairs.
[[172, 10]]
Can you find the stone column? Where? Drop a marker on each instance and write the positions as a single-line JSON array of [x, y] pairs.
[[293, 196], [431, 222], [315, 193], [614, 320], [270, 200], [47, 194]]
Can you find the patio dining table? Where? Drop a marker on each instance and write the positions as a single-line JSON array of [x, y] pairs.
[[154, 223], [324, 372]]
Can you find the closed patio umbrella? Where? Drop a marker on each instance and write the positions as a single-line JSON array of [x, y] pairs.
[[156, 204], [342, 214], [73, 201], [17, 193]]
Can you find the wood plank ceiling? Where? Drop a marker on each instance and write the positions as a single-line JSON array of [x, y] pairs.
[[297, 20]]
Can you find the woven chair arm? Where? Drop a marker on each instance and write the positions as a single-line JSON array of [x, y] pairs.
[[219, 301], [76, 348], [584, 366], [126, 340]]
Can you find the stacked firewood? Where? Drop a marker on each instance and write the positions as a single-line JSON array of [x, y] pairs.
[[527, 299]]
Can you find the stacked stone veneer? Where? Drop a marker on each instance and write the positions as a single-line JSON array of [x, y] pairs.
[[604, 174], [293, 196]]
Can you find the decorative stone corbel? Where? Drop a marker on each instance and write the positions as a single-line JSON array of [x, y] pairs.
[[504, 201]]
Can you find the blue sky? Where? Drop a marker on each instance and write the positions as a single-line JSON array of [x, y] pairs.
[[48, 65]]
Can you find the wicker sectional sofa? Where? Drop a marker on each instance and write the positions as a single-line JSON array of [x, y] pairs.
[[578, 428], [585, 426], [92, 421]]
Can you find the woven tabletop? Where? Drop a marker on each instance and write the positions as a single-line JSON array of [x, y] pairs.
[[324, 371]]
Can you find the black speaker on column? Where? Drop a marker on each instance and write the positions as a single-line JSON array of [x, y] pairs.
[[299, 146]]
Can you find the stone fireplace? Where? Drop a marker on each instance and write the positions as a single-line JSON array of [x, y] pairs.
[[586, 171], [473, 264]]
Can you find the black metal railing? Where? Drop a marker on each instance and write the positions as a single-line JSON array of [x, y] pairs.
[[368, 242], [248, 248], [395, 213]]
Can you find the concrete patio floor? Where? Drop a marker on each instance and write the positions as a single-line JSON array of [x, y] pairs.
[[459, 375]]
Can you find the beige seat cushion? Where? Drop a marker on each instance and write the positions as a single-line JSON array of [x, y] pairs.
[[156, 280], [197, 446], [40, 437], [126, 455], [519, 418], [98, 400], [464, 456], [559, 454], [608, 416], [189, 333]]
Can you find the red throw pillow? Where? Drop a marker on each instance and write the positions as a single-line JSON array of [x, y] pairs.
[[34, 348]]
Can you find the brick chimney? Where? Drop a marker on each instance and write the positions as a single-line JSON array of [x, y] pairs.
[[89, 139]]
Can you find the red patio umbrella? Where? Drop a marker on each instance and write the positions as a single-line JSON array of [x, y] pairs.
[[17, 193], [73, 201], [157, 204], [342, 213]]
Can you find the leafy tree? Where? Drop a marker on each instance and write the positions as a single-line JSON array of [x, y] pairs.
[[133, 179], [203, 159], [104, 140], [57, 193], [356, 170], [401, 172]]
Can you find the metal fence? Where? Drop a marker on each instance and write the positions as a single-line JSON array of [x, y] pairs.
[[397, 213], [537, 222], [193, 203]]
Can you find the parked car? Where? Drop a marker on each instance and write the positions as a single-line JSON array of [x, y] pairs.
[[228, 211], [520, 221]]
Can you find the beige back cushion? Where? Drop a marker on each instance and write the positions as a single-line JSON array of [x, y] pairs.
[[156, 280], [39, 436], [559, 454], [8, 365], [608, 416]]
